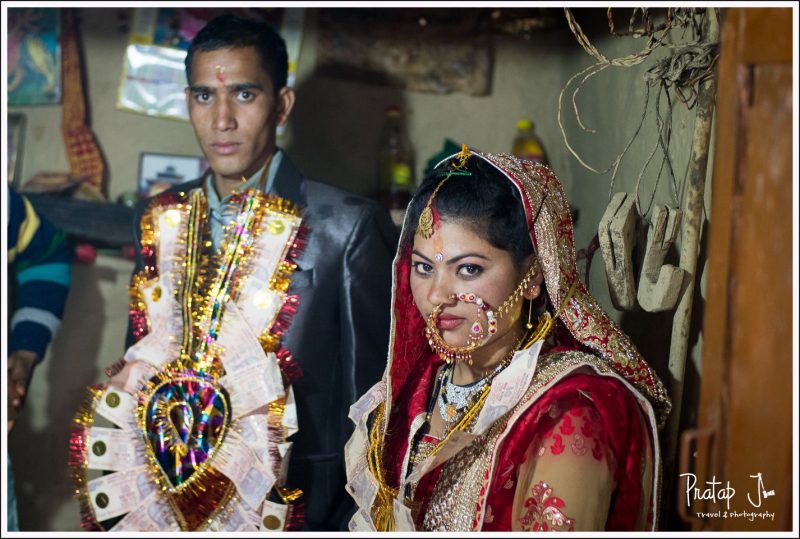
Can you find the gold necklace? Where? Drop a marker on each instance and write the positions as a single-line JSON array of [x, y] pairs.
[[446, 379]]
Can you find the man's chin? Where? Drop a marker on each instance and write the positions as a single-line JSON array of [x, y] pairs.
[[227, 173]]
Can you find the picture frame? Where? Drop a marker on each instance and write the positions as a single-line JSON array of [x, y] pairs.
[[34, 56], [16, 137], [160, 171]]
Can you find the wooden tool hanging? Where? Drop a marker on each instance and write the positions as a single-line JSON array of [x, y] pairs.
[[617, 233], [659, 284]]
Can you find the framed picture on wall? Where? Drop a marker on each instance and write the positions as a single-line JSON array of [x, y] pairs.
[[158, 171], [16, 132], [34, 56]]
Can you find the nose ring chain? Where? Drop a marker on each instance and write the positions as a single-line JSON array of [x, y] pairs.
[[477, 335]]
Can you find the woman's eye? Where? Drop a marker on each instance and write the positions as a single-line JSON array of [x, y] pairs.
[[422, 268], [469, 270]]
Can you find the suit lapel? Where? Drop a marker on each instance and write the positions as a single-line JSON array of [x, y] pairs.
[[288, 182]]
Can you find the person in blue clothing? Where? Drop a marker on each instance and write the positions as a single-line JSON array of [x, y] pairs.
[[39, 261]]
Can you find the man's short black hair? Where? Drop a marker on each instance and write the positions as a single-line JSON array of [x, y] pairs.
[[232, 32]]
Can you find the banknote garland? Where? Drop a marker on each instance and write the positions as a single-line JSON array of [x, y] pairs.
[[201, 434]]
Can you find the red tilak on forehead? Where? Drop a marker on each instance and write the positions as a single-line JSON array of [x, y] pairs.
[[435, 213], [221, 74]]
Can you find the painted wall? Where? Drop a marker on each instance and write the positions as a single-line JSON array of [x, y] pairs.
[[333, 136]]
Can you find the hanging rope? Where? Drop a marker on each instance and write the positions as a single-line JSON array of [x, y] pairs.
[[685, 69], [680, 71], [602, 63]]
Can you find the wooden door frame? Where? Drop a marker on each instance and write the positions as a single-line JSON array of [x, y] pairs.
[[742, 48]]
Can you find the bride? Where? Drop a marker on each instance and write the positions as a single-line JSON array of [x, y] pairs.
[[510, 400]]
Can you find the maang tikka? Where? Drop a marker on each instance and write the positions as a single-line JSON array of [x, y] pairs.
[[427, 226], [429, 218]]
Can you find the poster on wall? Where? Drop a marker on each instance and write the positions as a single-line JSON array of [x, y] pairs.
[[153, 74], [34, 56]]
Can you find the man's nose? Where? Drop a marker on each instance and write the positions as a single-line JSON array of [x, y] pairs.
[[224, 117]]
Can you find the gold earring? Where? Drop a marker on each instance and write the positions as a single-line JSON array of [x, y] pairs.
[[529, 325]]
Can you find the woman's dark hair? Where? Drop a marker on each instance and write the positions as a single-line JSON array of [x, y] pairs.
[[485, 201], [232, 32]]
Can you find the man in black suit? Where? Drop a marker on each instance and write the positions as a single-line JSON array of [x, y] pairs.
[[237, 96]]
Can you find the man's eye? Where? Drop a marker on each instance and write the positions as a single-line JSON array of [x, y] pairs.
[[203, 97], [422, 268], [469, 270], [246, 96]]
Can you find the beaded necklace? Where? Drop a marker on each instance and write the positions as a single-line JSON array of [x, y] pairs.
[[462, 412], [453, 398]]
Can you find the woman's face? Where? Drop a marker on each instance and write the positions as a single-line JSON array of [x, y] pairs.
[[469, 264]]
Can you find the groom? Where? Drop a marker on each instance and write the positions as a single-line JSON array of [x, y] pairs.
[[237, 96]]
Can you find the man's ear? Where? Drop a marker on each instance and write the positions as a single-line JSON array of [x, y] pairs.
[[285, 104]]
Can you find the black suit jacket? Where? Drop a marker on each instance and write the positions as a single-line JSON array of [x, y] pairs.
[[340, 334]]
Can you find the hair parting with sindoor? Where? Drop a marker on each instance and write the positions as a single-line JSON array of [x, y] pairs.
[[484, 201]]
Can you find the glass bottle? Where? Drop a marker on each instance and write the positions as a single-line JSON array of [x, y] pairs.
[[526, 144], [395, 165]]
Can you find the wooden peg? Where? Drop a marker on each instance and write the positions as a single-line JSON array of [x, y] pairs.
[[659, 283], [617, 234]]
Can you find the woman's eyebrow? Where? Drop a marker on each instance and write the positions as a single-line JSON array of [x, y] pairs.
[[466, 255], [415, 252]]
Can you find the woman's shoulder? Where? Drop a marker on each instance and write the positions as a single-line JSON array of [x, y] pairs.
[[564, 378], [575, 405]]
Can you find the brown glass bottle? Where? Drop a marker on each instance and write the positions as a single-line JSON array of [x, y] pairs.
[[395, 165]]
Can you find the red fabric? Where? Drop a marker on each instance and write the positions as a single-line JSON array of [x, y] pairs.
[[413, 368], [622, 434], [422, 495], [411, 401], [409, 326]]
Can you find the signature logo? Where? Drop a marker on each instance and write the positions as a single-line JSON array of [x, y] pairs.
[[760, 490], [716, 492]]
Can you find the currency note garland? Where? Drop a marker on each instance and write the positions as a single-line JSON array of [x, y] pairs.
[[209, 422]]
